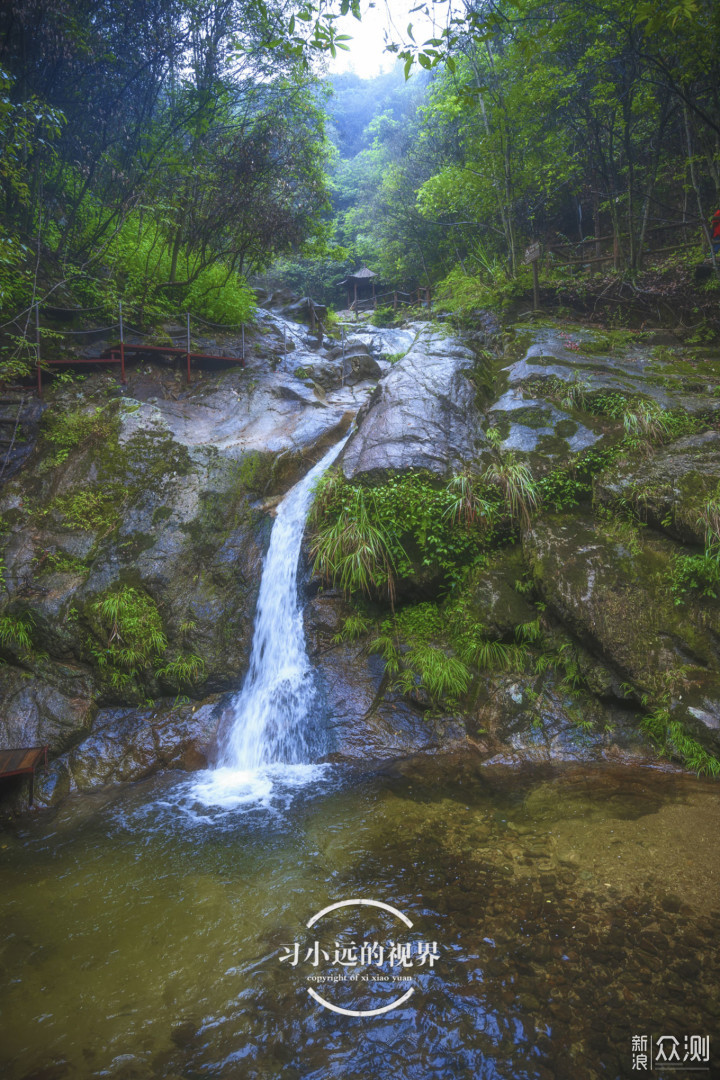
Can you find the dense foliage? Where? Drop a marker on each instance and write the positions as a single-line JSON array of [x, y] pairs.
[[156, 151], [596, 126]]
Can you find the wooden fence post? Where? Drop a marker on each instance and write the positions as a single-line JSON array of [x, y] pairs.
[[122, 345], [37, 348]]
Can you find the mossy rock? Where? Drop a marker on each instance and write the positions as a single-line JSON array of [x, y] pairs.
[[609, 587], [494, 600], [668, 490]]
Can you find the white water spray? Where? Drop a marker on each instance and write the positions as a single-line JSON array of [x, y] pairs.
[[271, 727]]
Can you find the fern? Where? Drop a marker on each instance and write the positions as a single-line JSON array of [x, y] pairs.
[[673, 740], [519, 488]]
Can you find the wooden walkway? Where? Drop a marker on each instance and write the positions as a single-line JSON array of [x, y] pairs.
[[23, 762], [118, 353]]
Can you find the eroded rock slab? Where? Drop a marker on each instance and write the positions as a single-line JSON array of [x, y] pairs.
[[670, 488], [423, 415], [127, 745], [611, 592]]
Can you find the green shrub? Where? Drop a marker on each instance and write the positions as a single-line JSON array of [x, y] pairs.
[[519, 488], [355, 626], [92, 510], [134, 636], [697, 575], [352, 550], [67, 430], [363, 537], [221, 296], [673, 740], [16, 632], [184, 671], [416, 659]]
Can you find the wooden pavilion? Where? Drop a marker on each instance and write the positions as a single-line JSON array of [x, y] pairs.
[[359, 281]]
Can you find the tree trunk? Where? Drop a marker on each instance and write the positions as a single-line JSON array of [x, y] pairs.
[[696, 189]]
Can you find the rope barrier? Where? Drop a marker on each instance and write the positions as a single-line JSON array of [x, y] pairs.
[[217, 326], [93, 330], [133, 330]]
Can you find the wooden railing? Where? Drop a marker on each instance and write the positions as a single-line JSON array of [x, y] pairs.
[[121, 348], [589, 251], [419, 297]]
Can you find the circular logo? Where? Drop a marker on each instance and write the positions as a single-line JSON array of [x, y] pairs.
[[361, 963]]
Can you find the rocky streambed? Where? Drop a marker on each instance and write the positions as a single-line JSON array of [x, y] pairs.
[[135, 524]]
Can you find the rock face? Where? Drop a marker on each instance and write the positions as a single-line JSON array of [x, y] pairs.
[[508, 721], [363, 720], [127, 745], [611, 593], [156, 493], [53, 704], [20, 415], [422, 415], [669, 489], [162, 494], [534, 426]]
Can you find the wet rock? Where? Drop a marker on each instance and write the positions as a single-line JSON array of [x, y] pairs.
[[523, 719], [186, 471], [422, 415], [302, 309], [359, 367], [184, 1033], [601, 362], [55, 710], [325, 373], [669, 489], [128, 745], [20, 414], [495, 600], [613, 596], [533, 426], [362, 722]]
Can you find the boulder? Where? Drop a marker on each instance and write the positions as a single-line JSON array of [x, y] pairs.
[[532, 426], [494, 599], [669, 489], [359, 366], [422, 415], [55, 708], [609, 361], [363, 720], [325, 373], [127, 745], [514, 724], [611, 592], [302, 309]]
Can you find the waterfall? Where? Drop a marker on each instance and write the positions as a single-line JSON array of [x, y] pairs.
[[272, 723]]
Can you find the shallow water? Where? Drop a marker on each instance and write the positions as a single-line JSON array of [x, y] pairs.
[[572, 910]]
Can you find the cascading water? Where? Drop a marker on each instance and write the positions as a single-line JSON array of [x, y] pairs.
[[270, 734]]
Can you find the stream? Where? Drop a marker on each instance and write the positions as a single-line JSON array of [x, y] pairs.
[[144, 929]]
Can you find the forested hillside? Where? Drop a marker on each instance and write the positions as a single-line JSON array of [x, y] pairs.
[[562, 123], [156, 152], [164, 152]]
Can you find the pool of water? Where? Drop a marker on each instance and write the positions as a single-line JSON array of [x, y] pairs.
[[569, 909]]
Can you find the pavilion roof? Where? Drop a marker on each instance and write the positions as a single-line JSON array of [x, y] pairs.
[[361, 275]]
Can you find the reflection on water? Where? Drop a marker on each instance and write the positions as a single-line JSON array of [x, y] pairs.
[[573, 909]]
